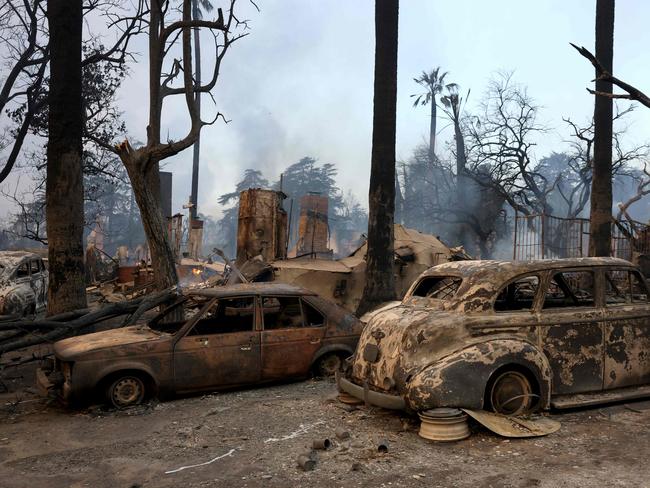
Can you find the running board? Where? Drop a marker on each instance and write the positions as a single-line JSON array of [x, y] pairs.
[[609, 396]]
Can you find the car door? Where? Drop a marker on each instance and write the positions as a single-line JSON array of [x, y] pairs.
[[289, 341], [221, 348], [627, 329], [571, 331]]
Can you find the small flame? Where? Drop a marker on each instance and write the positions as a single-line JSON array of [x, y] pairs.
[[196, 271]]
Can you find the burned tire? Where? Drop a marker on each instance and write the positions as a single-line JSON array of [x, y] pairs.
[[126, 391], [328, 364], [511, 392]]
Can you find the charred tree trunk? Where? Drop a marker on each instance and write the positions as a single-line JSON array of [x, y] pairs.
[[64, 185], [196, 14], [380, 278], [146, 189], [600, 239]]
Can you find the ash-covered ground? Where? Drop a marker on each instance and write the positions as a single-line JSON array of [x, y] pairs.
[[257, 436]]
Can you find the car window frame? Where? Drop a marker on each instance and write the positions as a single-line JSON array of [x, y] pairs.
[[185, 330], [414, 286], [29, 271], [38, 267], [302, 313], [534, 308], [324, 324], [629, 270], [598, 274]]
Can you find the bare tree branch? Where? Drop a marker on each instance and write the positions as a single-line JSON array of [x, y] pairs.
[[603, 75]]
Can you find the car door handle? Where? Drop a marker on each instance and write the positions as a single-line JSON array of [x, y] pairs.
[[246, 348], [202, 340], [315, 341]]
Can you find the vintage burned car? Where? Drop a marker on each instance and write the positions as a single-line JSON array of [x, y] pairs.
[[226, 337], [510, 337], [23, 283]]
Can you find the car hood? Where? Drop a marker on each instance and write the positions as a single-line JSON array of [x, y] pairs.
[[400, 341], [68, 349]]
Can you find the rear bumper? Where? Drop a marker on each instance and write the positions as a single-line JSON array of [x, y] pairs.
[[383, 400]]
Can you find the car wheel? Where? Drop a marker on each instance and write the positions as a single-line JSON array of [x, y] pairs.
[[328, 364], [511, 393], [126, 391]]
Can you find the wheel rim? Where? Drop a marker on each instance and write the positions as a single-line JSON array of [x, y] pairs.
[[127, 391], [329, 365], [511, 394]]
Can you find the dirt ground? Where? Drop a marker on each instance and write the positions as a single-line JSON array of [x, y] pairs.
[[254, 437]]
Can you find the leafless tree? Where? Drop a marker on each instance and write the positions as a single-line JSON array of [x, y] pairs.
[[576, 188], [501, 140], [170, 28], [643, 189], [25, 36]]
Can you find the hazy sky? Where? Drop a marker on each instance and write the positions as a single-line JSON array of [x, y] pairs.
[[301, 83]]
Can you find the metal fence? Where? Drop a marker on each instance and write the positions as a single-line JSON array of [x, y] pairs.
[[543, 236]]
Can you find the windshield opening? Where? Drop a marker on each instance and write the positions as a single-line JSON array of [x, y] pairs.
[[172, 318], [439, 287]]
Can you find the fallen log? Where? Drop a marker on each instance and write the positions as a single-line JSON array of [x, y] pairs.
[[58, 329]]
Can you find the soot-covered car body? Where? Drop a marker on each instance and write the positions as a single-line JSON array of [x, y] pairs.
[[508, 336], [23, 283], [223, 337]]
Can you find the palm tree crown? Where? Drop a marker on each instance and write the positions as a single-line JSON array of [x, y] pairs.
[[434, 82]]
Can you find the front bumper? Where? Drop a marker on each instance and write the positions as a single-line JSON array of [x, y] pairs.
[[43, 383], [383, 400], [52, 387]]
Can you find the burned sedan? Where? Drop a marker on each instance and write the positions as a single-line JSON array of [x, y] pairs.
[[510, 337], [23, 283], [210, 339]]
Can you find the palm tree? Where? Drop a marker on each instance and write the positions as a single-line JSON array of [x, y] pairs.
[[380, 275], [601, 184], [197, 7], [433, 82], [453, 103]]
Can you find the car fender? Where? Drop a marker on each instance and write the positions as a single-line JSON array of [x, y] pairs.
[[113, 368], [17, 299], [460, 379], [338, 347]]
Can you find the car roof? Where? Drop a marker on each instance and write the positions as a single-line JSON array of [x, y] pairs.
[[9, 259], [483, 279], [17, 255], [251, 289], [509, 269]]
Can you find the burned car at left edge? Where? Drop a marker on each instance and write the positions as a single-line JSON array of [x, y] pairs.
[[209, 339], [23, 283]]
